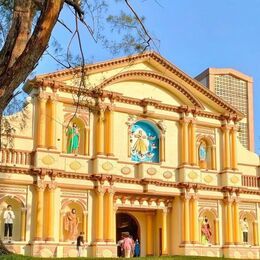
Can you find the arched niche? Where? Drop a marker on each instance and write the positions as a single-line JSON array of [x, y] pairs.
[[67, 223], [17, 207], [144, 142], [250, 219], [83, 132], [206, 153], [210, 215]]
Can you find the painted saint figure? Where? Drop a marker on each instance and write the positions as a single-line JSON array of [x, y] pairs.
[[71, 224], [9, 220], [73, 139], [244, 228], [140, 146], [205, 232]]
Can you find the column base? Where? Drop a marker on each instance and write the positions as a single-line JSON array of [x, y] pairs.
[[104, 250], [49, 239]]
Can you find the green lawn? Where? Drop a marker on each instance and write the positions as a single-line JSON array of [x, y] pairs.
[[15, 257]]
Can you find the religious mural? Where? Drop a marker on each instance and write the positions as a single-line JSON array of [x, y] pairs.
[[144, 142]]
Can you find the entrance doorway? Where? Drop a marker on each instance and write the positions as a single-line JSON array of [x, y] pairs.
[[126, 224]]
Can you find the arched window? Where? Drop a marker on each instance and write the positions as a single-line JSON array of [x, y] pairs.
[[144, 142], [206, 153]]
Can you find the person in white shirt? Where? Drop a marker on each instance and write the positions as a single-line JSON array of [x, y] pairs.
[[9, 220]]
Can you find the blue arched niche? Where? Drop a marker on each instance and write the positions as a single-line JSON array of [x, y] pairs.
[[144, 142]]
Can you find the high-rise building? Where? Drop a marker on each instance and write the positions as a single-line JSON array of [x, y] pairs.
[[237, 89]]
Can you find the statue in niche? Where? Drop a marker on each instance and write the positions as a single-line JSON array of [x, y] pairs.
[[202, 151], [71, 223], [73, 139], [206, 233], [244, 228]]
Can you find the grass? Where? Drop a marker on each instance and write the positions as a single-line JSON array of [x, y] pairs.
[[18, 257]]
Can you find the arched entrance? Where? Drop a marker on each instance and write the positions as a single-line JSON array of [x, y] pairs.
[[126, 224]]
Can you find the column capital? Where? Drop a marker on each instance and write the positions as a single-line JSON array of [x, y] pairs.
[[184, 121], [110, 107], [110, 190], [225, 128], [100, 190], [42, 97], [185, 196], [228, 200], [52, 185], [23, 209], [40, 185]]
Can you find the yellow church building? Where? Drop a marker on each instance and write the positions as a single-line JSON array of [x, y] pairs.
[[150, 152]]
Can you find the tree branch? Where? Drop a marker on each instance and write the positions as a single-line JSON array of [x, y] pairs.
[[77, 8], [34, 49]]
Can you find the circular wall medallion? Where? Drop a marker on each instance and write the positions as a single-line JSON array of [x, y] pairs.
[[48, 160], [208, 179], [107, 253], [234, 179], [167, 174], [193, 175], [151, 171], [107, 166], [45, 252], [126, 170], [75, 165]]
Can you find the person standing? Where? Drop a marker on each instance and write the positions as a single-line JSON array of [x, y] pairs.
[[128, 246], [137, 248], [9, 220], [80, 244]]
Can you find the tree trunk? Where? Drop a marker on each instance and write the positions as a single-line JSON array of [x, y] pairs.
[[24, 57]]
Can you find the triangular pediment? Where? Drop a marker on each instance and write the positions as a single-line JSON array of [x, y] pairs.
[[188, 90]]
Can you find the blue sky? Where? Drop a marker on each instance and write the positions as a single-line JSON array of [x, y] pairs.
[[193, 35]]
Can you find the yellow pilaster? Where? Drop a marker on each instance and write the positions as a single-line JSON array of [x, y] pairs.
[[23, 224], [213, 158], [162, 148], [85, 225], [192, 143], [39, 212], [184, 141], [149, 235], [185, 219], [194, 220], [229, 223], [52, 132], [61, 238], [255, 233], [164, 233], [50, 218], [237, 236], [99, 214], [100, 132], [41, 123], [109, 122], [216, 223], [87, 142], [226, 148], [234, 148], [109, 221]]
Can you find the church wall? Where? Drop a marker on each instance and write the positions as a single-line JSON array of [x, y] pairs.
[[135, 187]]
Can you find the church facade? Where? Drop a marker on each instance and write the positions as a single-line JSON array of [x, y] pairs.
[[147, 151]]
